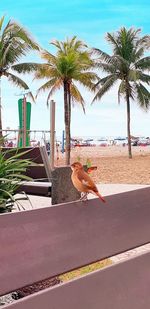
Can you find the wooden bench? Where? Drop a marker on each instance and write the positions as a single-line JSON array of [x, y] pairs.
[[39, 171], [44, 243], [54, 183]]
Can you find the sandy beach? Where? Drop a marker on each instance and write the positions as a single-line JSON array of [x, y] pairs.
[[113, 164]]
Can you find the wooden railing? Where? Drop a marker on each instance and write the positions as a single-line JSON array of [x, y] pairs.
[[44, 243]]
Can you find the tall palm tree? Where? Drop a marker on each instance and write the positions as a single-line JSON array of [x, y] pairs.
[[15, 42], [127, 65], [72, 63]]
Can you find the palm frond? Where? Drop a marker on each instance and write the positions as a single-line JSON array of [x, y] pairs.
[[46, 55], [107, 85], [24, 35], [138, 53], [65, 47], [78, 44], [15, 43], [143, 96], [87, 79], [138, 75], [144, 42], [57, 44], [58, 84], [143, 64], [103, 80], [121, 90], [119, 60], [101, 54], [26, 67], [47, 85], [111, 38], [1, 22], [76, 96], [30, 95], [144, 77], [45, 70], [107, 67], [16, 80]]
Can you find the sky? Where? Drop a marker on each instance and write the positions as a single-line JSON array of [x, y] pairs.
[[89, 20]]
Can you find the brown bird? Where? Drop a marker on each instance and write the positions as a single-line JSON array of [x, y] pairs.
[[83, 182]]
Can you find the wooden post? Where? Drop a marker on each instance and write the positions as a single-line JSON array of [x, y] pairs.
[[52, 133]]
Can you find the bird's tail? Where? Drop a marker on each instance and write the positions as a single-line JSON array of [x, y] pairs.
[[100, 197]]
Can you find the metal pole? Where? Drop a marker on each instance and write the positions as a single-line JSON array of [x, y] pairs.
[[24, 121], [63, 142], [52, 133]]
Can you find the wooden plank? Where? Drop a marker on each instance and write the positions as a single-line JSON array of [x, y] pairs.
[[36, 154], [33, 153], [37, 184], [46, 162], [35, 188], [42, 243], [37, 172], [121, 286]]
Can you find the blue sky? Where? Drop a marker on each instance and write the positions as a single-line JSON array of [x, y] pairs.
[[90, 21]]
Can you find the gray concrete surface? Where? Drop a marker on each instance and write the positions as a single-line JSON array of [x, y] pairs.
[[63, 190], [109, 189]]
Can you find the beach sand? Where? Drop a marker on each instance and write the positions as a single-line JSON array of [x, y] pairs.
[[113, 164]]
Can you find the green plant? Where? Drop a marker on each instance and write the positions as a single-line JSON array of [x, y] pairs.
[[78, 158], [85, 270], [88, 162], [12, 170]]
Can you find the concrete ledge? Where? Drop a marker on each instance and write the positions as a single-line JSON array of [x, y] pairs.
[[62, 188]]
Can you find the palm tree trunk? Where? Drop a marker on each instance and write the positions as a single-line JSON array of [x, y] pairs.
[[128, 126], [67, 124], [69, 105], [0, 112]]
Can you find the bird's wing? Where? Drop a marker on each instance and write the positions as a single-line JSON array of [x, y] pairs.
[[87, 181]]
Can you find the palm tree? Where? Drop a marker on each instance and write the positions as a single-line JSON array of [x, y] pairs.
[[14, 43], [127, 65], [71, 64]]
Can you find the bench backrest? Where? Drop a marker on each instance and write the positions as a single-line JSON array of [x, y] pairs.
[[37, 155], [43, 243]]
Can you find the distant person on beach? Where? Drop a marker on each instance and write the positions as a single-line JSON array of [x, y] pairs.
[[48, 148], [10, 144]]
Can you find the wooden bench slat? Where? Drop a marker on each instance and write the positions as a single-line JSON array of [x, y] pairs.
[[32, 153], [37, 155], [42, 243], [45, 184], [36, 189], [41, 170], [121, 286]]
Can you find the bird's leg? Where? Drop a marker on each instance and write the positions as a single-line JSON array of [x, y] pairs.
[[83, 196]]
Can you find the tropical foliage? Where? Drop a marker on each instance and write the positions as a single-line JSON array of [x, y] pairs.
[[129, 66], [12, 170], [72, 64], [15, 42]]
